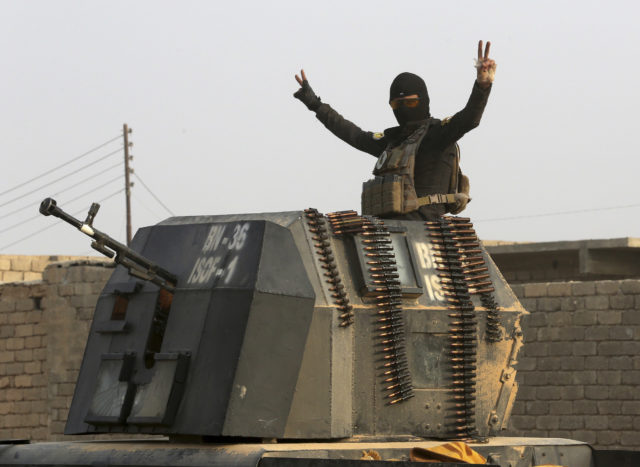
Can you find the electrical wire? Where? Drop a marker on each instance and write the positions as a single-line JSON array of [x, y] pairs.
[[55, 224], [60, 166], [66, 202], [91, 177], [65, 190], [559, 213], [63, 177], [149, 210], [152, 194]]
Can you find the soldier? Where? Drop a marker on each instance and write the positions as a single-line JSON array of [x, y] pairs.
[[417, 173]]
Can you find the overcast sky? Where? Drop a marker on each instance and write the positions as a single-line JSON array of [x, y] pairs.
[[207, 88]]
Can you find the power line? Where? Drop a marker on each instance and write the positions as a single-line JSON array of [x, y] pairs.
[[66, 202], [559, 213], [152, 194], [63, 177], [86, 179], [55, 224], [63, 191], [60, 166], [155, 214]]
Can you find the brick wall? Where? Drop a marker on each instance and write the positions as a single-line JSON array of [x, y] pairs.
[[15, 268], [579, 370], [43, 330]]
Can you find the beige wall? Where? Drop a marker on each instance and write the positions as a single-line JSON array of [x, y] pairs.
[[43, 329], [15, 268], [579, 371]]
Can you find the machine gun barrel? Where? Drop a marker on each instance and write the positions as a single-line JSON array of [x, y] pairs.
[[138, 265]]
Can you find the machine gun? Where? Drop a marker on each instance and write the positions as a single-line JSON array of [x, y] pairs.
[[137, 265]]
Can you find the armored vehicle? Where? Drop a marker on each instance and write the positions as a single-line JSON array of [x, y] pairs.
[[297, 339]]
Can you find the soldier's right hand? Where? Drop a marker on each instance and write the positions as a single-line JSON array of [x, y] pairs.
[[305, 94]]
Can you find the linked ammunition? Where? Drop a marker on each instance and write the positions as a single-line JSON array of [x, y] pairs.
[[327, 259], [342, 213], [346, 231], [385, 241], [393, 356], [487, 290], [392, 295], [384, 268], [386, 276], [383, 261], [380, 254], [378, 248], [389, 319]]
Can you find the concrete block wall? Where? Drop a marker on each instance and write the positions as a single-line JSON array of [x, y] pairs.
[[43, 330], [579, 370], [23, 354], [14, 268]]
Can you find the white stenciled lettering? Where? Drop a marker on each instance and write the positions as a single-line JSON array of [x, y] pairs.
[[219, 266], [203, 269], [424, 255], [239, 237], [231, 269], [436, 287], [213, 238], [429, 287], [428, 263]]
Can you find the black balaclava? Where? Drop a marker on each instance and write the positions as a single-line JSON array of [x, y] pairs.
[[406, 84]]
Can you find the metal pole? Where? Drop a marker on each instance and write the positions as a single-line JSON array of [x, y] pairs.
[[127, 184]]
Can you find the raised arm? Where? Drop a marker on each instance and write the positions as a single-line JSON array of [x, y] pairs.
[[347, 131], [468, 118]]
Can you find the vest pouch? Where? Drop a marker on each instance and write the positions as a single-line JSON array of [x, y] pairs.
[[390, 160], [383, 196], [372, 196], [464, 188], [397, 159]]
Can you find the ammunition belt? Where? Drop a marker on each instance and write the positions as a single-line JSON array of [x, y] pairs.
[[318, 228], [462, 272], [459, 238], [390, 332], [493, 333], [346, 222]]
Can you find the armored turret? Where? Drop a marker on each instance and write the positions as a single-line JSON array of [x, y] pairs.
[[296, 325]]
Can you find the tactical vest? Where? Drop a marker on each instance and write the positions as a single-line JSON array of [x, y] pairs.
[[393, 191]]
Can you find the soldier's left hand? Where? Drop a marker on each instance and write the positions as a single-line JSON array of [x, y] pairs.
[[486, 68]]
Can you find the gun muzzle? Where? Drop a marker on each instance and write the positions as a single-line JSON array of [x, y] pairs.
[[49, 207]]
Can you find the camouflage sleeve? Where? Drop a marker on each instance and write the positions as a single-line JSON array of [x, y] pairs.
[[454, 128], [350, 133]]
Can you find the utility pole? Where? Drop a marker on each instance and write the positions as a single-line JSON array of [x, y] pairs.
[[127, 184]]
